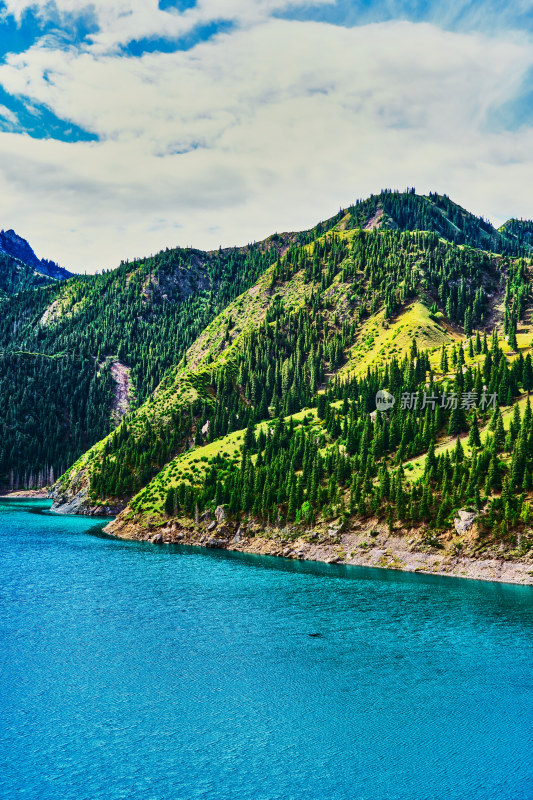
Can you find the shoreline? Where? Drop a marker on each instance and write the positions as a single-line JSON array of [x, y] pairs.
[[30, 494], [394, 551]]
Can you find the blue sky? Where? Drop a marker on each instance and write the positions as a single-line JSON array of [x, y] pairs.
[[491, 16], [126, 127]]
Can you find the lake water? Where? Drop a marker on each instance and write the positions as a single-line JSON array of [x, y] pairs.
[[144, 673]]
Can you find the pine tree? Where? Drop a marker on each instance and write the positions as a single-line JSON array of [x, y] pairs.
[[249, 437], [170, 502], [474, 439], [499, 433], [457, 423], [512, 335], [444, 361], [458, 453], [442, 515], [493, 475], [518, 463], [468, 322], [431, 460]]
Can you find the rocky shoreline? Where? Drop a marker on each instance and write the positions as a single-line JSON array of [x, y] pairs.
[[68, 502], [369, 544]]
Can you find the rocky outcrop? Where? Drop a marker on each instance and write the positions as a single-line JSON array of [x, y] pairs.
[[217, 543], [121, 391], [464, 520], [70, 501]]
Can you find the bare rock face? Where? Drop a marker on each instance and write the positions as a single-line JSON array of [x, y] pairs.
[[76, 500], [212, 527], [220, 514], [464, 520], [216, 543], [206, 516], [239, 535]]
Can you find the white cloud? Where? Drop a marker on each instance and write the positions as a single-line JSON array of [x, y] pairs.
[[121, 21], [269, 128], [8, 115]]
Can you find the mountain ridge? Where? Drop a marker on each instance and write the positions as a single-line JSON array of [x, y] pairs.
[[15, 246]]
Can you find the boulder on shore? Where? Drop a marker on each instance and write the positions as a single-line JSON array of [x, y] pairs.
[[216, 543], [464, 520]]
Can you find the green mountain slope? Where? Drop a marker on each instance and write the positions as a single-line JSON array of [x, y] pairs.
[[521, 230], [16, 276], [75, 356], [308, 319], [198, 358], [272, 417], [320, 458]]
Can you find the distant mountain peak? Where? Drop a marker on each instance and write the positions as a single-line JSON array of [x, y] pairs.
[[408, 211], [15, 246]]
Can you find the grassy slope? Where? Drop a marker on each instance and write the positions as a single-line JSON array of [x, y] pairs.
[[212, 349], [148, 506], [381, 340], [377, 342], [415, 467], [191, 467], [396, 339]]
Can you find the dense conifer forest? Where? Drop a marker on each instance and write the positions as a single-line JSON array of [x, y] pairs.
[[16, 276], [346, 458], [56, 391], [277, 366]]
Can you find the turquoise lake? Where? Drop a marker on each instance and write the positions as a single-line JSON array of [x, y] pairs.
[[143, 673]]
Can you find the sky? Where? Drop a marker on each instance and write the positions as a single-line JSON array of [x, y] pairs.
[[128, 127]]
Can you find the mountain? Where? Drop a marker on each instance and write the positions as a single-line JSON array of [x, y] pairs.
[[17, 248], [272, 419], [76, 355], [521, 230], [247, 380], [408, 211]]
